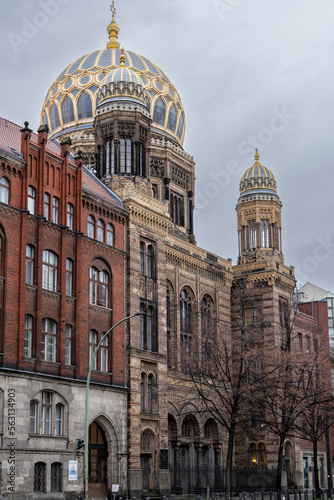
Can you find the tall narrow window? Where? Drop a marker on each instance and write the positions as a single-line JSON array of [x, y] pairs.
[[92, 346], [186, 329], [100, 230], [55, 210], [125, 156], [68, 344], [2, 253], [85, 106], [110, 235], [99, 287], [47, 206], [39, 475], [104, 355], [70, 216], [31, 199], [142, 258], [46, 413], [56, 477], [30, 257], [67, 110], [49, 338], [33, 418], [59, 419], [149, 261], [108, 158], [50, 262], [149, 393], [265, 233], [69, 277], [4, 190], [28, 336], [149, 327], [90, 226], [176, 209], [252, 239], [142, 326], [143, 383]]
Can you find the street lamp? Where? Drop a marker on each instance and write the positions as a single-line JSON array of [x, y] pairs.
[[87, 399]]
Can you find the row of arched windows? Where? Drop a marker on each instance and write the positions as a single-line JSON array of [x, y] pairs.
[[148, 395], [146, 260], [56, 477], [98, 231], [124, 157], [188, 340]]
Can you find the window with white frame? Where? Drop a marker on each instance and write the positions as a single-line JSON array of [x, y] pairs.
[[69, 277], [30, 260], [55, 210], [68, 344], [91, 226], [49, 340], [28, 322], [47, 206], [110, 235], [46, 413], [49, 278], [100, 230], [31, 199], [70, 216], [99, 285], [4, 190]]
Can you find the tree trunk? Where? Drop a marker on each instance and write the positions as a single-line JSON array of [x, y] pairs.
[[229, 460], [316, 485], [280, 464]]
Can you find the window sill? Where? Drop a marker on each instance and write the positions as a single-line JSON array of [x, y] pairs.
[[50, 436]]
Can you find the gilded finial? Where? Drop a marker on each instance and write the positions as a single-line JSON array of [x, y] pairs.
[[113, 30], [257, 156], [122, 58]]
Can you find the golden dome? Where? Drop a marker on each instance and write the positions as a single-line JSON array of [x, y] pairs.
[[257, 179], [71, 102]]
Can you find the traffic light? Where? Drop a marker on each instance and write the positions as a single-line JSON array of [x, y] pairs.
[[81, 444]]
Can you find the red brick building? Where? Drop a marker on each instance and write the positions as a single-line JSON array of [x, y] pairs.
[[62, 263]]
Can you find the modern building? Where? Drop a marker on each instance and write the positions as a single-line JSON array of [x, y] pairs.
[[89, 246]]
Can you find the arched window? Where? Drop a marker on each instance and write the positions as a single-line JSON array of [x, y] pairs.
[[90, 226], [150, 262], [142, 259], [100, 230], [186, 330], [69, 277], [84, 106], [70, 216], [49, 340], [30, 259], [67, 110], [59, 419], [54, 117], [257, 455], [50, 262], [176, 209], [125, 156], [68, 344], [265, 233], [159, 112], [252, 237], [147, 393], [99, 285], [110, 235], [4, 190], [56, 477], [28, 322], [33, 417], [172, 119], [31, 199], [39, 477], [110, 157]]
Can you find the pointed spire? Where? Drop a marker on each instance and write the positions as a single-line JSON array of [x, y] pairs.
[[113, 30], [122, 58], [257, 156]]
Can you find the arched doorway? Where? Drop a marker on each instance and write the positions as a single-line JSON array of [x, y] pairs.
[[98, 457], [147, 461]]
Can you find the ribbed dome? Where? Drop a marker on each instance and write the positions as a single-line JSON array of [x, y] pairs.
[[257, 179], [72, 99], [123, 75]]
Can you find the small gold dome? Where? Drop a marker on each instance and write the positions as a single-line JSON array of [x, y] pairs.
[[257, 179]]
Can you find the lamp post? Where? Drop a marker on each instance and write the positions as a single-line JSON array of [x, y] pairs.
[[87, 400]]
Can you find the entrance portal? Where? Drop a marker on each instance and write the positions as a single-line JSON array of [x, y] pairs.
[[97, 469]]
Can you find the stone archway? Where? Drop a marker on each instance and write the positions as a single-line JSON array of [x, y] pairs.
[[147, 461]]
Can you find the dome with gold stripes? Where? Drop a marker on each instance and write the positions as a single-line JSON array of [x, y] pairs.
[[71, 101], [257, 179]]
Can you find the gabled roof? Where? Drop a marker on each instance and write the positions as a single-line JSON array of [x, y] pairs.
[[10, 142], [313, 293]]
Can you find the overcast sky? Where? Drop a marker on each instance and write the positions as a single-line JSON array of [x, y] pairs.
[[249, 72]]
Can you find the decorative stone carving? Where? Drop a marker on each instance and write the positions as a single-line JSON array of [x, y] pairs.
[[157, 167]]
